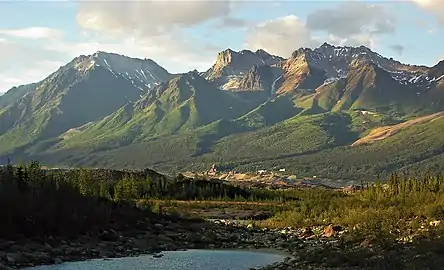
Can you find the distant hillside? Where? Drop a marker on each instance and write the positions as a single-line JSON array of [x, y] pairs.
[[329, 111]]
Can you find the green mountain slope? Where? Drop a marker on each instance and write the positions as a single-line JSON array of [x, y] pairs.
[[71, 97], [183, 104], [366, 87], [248, 111], [15, 93]]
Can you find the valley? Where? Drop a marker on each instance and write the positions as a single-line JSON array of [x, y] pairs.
[[144, 215]]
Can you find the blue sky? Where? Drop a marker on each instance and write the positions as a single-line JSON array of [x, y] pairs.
[[37, 37]]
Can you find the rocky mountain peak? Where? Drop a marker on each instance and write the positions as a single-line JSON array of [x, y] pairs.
[[326, 45], [263, 54], [234, 59], [232, 63], [301, 52], [143, 73], [258, 78], [225, 57]]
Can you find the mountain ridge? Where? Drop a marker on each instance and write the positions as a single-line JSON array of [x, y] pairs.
[[271, 108]]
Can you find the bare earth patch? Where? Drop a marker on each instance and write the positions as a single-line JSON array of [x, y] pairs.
[[382, 133]]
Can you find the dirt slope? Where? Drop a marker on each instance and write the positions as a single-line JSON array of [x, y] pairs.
[[382, 133]]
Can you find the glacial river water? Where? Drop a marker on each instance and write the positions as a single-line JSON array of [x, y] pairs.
[[177, 260]]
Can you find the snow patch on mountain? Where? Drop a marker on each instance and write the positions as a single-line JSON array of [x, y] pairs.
[[334, 79], [142, 73]]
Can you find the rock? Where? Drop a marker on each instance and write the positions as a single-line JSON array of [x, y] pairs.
[[4, 267], [308, 232], [331, 230], [159, 255], [158, 226], [15, 258], [292, 261]]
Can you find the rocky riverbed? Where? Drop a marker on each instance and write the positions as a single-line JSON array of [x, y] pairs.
[[152, 239]]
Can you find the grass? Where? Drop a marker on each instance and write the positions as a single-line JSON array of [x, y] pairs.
[[305, 145], [168, 130]]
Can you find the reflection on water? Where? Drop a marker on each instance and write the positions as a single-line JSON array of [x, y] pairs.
[[177, 260]]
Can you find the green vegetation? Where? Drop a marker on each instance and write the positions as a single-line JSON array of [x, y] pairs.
[[306, 145], [38, 204], [67, 203], [396, 223], [187, 123], [401, 202]]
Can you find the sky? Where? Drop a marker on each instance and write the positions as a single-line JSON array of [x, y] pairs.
[[37, 37]]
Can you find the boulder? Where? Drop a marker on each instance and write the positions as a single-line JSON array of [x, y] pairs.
[[307, 233], [331, 230]]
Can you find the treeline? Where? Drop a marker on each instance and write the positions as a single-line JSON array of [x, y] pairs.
[[403, 186], [35, 203], [147, 184]]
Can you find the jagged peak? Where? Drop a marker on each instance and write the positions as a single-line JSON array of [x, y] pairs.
[[104, 54], [194, 72], [227, 51], [327, 45], [193, 75], [244, 51], [262, 52], [301, 51]]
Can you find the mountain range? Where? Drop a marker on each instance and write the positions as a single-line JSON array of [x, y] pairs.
[[336, 112]]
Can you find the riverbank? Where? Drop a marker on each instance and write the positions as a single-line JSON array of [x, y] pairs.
[[162, 236], [317, 247]]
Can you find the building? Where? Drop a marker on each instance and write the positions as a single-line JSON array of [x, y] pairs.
[[213, 170]]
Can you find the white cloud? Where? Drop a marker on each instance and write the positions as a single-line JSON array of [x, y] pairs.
[[32, 33], [355, 40], [22, 64], [434, 7], [151, 29], [348, 24], [353, 23], [353, 18], [280, 36], [142, 29], [177, 53], [148, 17]]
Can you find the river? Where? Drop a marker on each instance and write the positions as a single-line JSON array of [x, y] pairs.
[[177, 260]]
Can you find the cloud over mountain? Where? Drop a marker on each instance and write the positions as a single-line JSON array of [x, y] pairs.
[[279, 36], [148, 17]]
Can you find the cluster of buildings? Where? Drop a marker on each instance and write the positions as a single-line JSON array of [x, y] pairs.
[[213, 171]]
